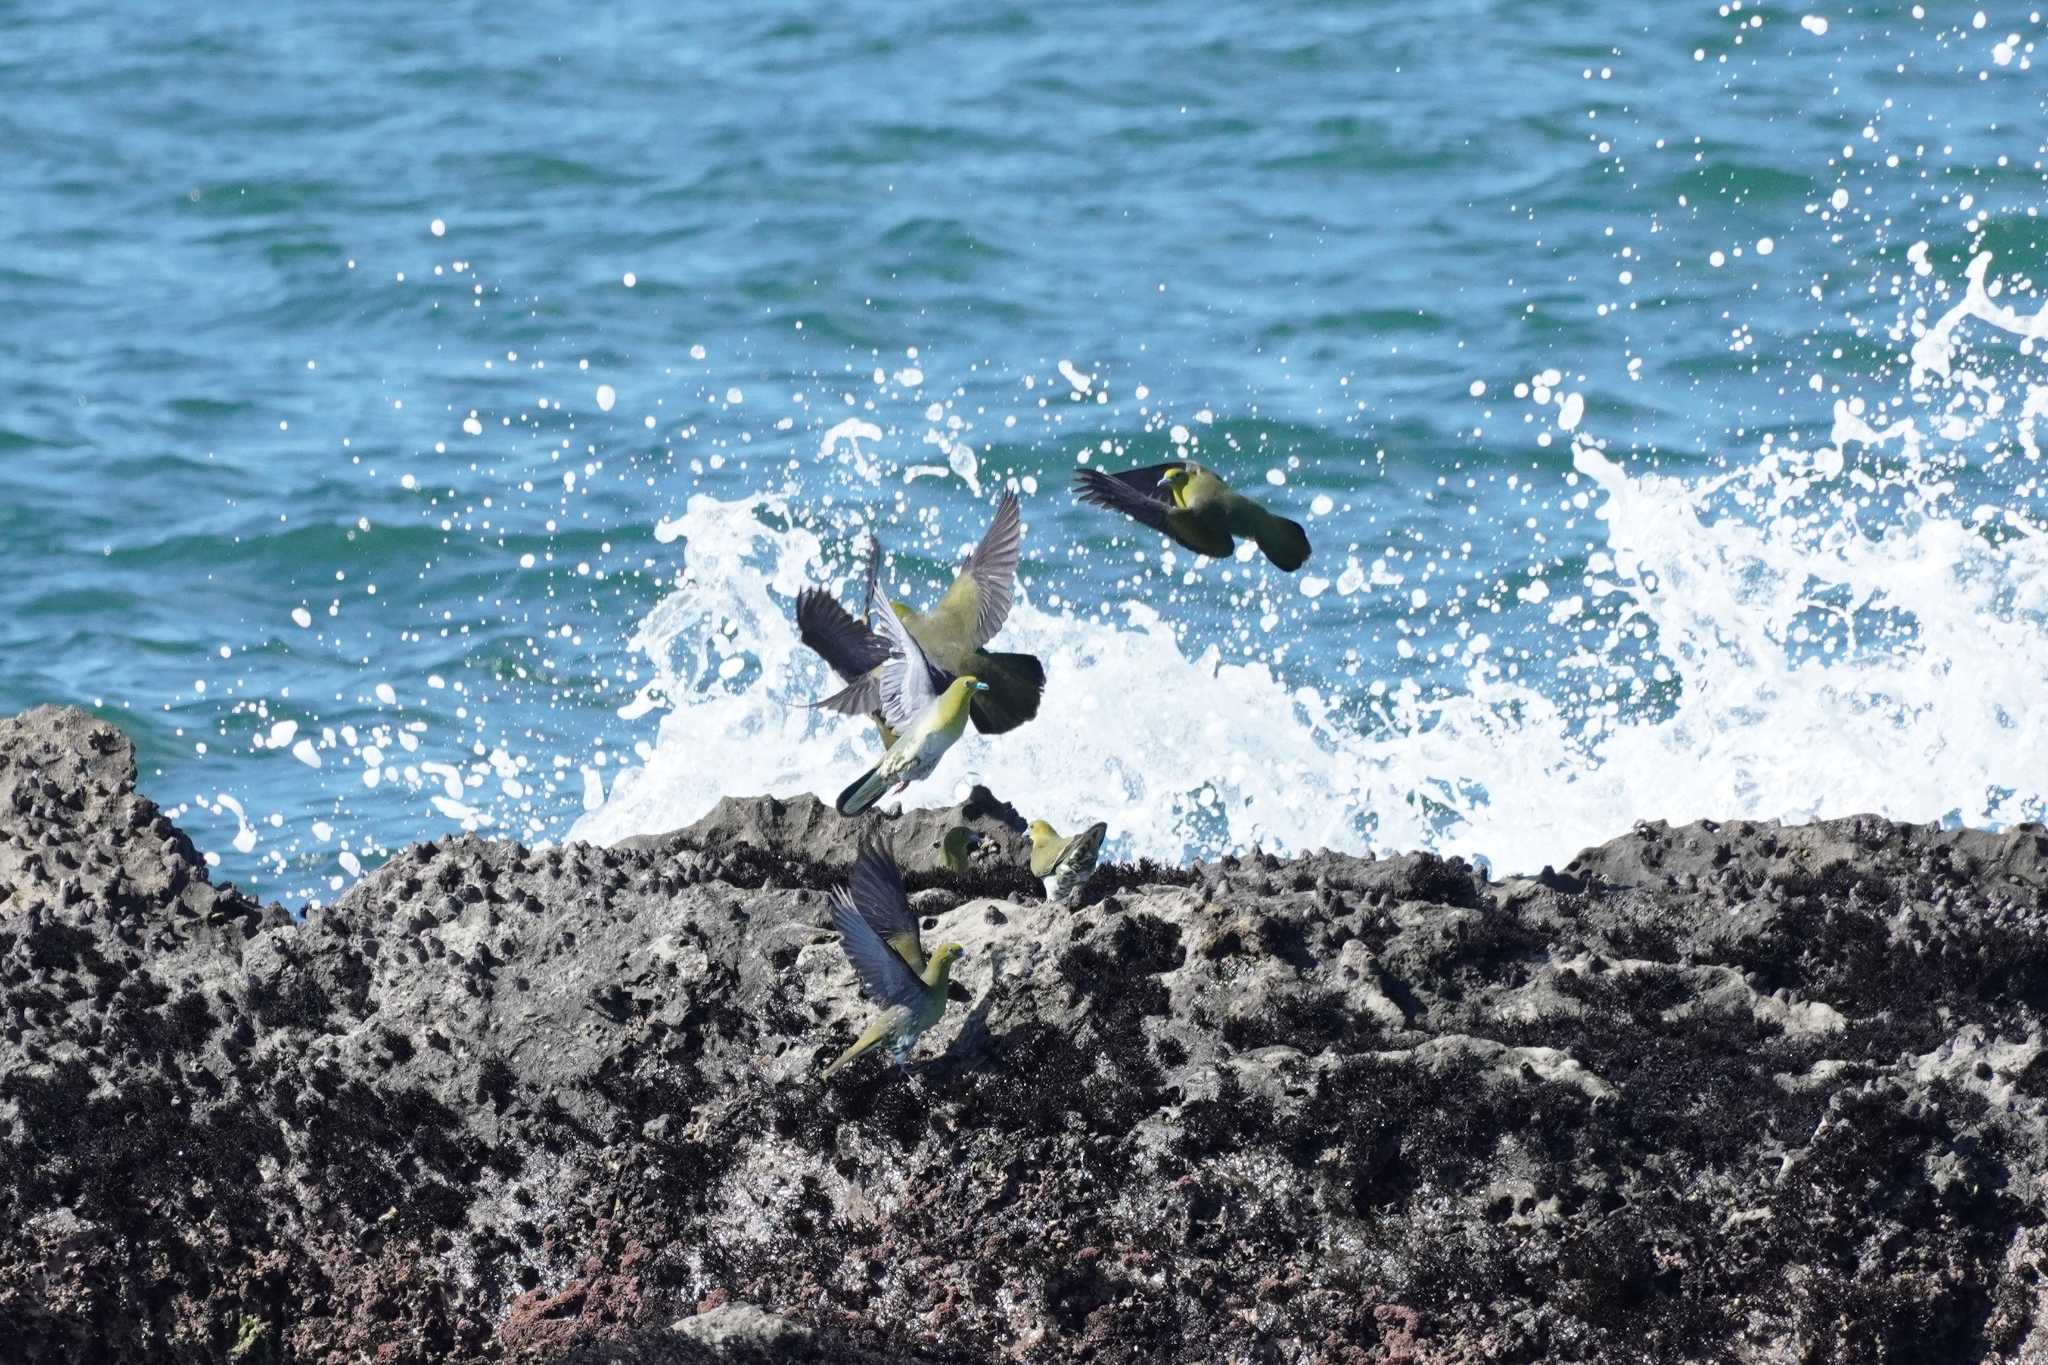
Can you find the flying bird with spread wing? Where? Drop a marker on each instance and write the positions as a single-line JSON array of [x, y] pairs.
[[1190, 506], [953, 634], [925, 720], [881, 940]]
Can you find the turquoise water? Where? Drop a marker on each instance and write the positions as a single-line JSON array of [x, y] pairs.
[[310, 314]]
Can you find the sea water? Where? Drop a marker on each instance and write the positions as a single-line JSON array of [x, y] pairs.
[[424, 424]]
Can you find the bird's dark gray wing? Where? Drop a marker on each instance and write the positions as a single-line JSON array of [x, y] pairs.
[[884, 975], [1135, 493], [1085, 846], [993, 567], [848, 646], [871, 579], [877, 890], [906, 676], [861, 697]]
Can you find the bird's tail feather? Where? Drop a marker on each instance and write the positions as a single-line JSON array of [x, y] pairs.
[[1283, 541], [1015, 683], [864, 792]]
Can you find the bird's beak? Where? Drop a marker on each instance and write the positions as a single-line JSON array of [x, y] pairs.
[[980, 686]]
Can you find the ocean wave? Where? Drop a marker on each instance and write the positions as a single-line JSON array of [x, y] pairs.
[[1737, 644]]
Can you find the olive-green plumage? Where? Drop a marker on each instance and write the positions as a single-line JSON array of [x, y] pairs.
[[880, 936], [926, 723], [956, 848], [1189, 505], [1064, 865], [952, 634]]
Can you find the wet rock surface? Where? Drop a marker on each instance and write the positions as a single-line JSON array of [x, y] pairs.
[[1718, 1092]]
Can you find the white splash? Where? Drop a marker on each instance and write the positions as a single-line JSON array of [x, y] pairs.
[[1814, 658], [245, 833]]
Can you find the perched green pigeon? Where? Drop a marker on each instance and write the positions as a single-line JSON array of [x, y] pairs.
[[1191, 506], [925, 721], [955, 847], [880, 937], [1064, 865], [952, 634]]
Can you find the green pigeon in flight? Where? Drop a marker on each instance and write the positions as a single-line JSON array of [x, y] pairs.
[[1190, 506], [880, 936], [952, 634], [924, 720]]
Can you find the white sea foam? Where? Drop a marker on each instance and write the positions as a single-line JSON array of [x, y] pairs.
[[245, 834], [1815, 658]]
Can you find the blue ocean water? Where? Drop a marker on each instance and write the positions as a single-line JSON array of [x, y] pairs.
[[420, 422]]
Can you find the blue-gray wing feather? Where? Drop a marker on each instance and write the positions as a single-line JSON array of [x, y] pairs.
[[906, 675], [886, 977], [848, 645], [1135, 492], [993, 567], [877, 890]]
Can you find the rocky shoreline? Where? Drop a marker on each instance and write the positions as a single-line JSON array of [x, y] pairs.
[[1709, 1093]]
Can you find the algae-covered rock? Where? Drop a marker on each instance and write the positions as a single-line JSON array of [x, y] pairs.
[[1712, 1092]]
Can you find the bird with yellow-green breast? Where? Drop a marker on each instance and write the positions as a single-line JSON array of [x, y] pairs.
[[880, 936], [952, 634], [925, 720], [1064, 865], [1189, 505]]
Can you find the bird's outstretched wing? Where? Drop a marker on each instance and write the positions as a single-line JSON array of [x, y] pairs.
[[861, 697], [884, 975], [877, 890], [979, 597], [992, 570], [907, 686], [849, 646], [1135, 492]]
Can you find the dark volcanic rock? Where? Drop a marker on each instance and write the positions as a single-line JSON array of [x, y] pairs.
[[1730, 1092]]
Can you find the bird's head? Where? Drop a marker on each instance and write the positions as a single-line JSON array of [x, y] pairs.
[[1040, 832], [943, 956], [953, 703], [959, 839], [1176, 478]]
